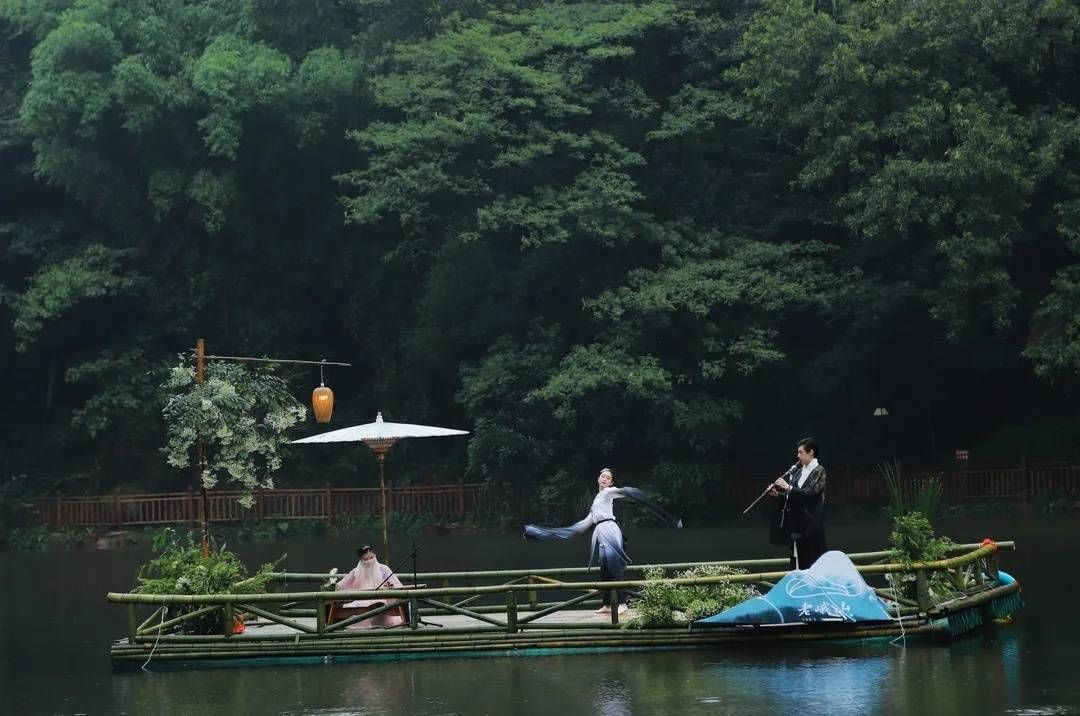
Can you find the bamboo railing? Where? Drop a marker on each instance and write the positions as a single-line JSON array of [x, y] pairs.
[[514, 605], [285, 504]]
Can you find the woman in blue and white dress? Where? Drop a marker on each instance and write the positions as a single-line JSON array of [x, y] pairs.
[[607, 539]]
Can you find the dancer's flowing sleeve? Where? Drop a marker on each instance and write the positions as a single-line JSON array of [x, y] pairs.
[[638, 496], [546, 533]]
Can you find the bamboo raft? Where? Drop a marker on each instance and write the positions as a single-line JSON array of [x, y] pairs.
[[500, 613]]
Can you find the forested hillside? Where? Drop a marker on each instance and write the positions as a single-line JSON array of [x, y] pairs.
[[659, 235]]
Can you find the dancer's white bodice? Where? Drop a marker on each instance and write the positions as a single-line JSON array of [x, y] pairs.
[[603, 505]]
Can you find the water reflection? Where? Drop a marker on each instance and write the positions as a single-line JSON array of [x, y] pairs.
[[976, 675]]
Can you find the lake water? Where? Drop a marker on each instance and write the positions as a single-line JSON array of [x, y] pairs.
[[57, 626]]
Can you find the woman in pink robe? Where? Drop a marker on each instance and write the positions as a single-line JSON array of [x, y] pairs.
[[370, 574]]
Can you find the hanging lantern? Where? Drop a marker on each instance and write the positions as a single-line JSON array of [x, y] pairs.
[[322, 400]]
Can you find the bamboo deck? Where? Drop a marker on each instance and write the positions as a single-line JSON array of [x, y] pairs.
[[273, 643], [281, 629]]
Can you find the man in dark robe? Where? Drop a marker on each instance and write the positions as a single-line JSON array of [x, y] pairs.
[[797, 517]]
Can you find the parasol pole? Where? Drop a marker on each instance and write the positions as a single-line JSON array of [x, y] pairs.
[[381, 446], [382, 489]]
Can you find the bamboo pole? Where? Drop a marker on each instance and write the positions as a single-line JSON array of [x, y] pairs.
[[276, 618], [310, 613], [855, 557], [500, 639], [149, 619], [511, 611], [922, 590], [178, 620], [975, 600], [992, 565], [127, 597], [558, 607], [349, 621], [439, 637], [619, 639], [200, 452], [468, 612], [498, 608], [477, 597]]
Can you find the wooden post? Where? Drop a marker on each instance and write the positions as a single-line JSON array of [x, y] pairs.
[[200, 449], [1028, 478], [320, 616], [461, 497], [328, 509], [118, 517], [614, 606], [511, 611], [59, 511], [992, 565], [922, 590], [381, 456], [532, 595], [132, 624], [191, 506], [414, 613]]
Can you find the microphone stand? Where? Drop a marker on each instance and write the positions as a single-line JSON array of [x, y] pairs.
[[393, 572]]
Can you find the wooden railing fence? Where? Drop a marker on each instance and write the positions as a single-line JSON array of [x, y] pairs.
[[846, 486], [856, 485], [223, 505]]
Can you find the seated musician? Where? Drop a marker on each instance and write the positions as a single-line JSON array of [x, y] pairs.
[[369, 574]]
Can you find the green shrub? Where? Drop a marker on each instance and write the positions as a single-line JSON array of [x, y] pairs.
[[180, 568], [28, 539], [1052, 504], [663, 603], [913, 540], [983, 508]]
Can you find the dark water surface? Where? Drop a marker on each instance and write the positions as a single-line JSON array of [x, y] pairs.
[[56, 629]]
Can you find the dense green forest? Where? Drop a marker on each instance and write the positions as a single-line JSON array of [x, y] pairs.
[[661, 235]]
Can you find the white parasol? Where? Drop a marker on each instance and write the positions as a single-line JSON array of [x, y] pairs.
[[380, 436]]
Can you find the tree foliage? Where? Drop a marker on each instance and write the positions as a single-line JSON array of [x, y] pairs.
[[665, 234], [238, 418]]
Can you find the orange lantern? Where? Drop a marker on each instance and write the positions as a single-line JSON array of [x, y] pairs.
[[322, 400], [322, 404]]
